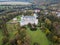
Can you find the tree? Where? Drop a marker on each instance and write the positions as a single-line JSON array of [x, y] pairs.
[[54, 38], [47, 21], [5, 31], [5, 40]]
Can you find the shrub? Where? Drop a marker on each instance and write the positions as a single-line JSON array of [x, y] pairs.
[[13, 41], [36, 43], [5, 40]]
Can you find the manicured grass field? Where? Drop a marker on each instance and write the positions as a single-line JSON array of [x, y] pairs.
[[39, 37]]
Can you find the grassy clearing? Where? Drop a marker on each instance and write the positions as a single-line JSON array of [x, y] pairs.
[[39, 37]]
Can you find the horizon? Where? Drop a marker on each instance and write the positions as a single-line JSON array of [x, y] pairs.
[[16, 0], [15, 3]]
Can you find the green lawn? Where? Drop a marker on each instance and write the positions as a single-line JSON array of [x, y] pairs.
[[1, 36], [39, 37]]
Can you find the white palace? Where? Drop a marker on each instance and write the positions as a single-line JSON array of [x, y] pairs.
[[29, 19]]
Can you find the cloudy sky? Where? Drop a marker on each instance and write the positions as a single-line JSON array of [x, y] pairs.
[[18, 0]]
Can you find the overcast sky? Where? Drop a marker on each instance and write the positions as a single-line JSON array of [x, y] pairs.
[[18, 0]]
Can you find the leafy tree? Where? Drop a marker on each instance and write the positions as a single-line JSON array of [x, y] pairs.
[[47, 21]]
